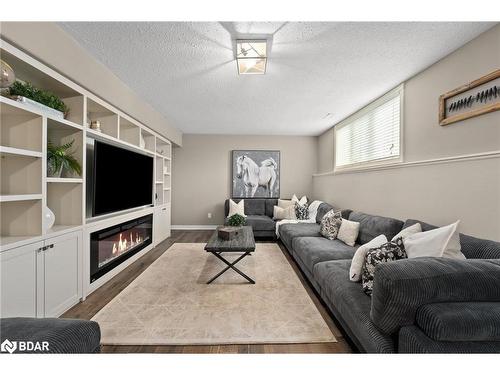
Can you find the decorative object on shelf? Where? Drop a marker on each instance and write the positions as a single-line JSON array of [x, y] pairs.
[[256, 174], [46, 101], [7, 76], [48, 218], [227, 233], [61, 158], [236, 220], [95, 125], [472, 99]]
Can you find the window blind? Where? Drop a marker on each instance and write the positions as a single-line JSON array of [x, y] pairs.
[[372, 135]]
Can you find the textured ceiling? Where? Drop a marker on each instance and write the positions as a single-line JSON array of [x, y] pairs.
[[186, 70]]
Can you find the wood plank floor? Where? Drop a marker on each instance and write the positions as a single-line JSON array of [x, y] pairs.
[[102, 296]]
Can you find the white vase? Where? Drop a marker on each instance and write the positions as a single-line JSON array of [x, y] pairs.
[[48, 218]]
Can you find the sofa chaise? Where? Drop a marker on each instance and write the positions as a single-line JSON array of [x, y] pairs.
[[419, 305]]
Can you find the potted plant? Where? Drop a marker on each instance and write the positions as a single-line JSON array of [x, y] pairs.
[[26, 93], [236, 220], [61, 157]]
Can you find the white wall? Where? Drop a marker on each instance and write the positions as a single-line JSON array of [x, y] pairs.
[[468, 189]]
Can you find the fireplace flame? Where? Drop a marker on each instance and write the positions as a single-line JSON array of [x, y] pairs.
[[123, 244]]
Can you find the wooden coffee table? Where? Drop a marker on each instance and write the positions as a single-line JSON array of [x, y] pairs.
[[243, 242]]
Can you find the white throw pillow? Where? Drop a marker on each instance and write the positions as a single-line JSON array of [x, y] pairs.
[[236, 208], [302, 200], [284, 213], [358, 259], [412, 229], [348, 232], [283, 203], [441, 242]]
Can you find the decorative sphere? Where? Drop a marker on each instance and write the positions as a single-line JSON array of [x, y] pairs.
[[7, 76]]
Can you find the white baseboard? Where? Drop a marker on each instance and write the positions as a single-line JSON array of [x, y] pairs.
[[194, 227]]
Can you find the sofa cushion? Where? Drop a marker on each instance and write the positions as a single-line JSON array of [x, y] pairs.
[[260, 222], [312, 250], [325, 207], [413, 340], [63, 335], [252, 206], [472, 247], [460, 321], [372, 226], [270, 203], [289, 231], [349, 303]]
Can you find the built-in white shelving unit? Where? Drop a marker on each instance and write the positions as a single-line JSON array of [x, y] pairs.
[[25, 187]]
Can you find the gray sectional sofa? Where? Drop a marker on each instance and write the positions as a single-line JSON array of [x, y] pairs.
[[420, 305], [259, 216], [64, 336]]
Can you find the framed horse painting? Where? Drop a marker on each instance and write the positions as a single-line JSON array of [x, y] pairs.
[[256, 174]]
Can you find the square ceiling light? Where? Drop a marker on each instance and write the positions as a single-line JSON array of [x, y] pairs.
[[251, 56]]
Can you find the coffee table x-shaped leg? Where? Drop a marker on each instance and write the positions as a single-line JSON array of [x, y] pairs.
[[231, 266]]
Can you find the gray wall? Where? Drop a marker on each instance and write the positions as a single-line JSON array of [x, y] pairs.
[[201, 178], [468, 190]]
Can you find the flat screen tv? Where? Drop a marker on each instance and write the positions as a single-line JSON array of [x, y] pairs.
[[122, 179]]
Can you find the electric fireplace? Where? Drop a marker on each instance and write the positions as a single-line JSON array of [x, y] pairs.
[[111, 246]]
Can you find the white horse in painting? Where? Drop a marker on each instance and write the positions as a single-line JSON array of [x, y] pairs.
[[254, 176]]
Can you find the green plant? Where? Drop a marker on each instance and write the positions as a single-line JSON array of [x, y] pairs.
[[236, 220], [38, 95], [61, 157]]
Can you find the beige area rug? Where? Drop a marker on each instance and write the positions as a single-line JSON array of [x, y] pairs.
[[171, 304]]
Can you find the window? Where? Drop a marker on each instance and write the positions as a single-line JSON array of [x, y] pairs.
[[372, 135]]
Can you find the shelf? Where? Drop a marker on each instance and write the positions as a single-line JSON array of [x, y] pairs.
[[20, 174], [64, 122], [62, 132], [7, 242], [129, 132], [21, 216], [149, 140], [166, 188], [65, 201], [159, 182], [20, 152], [20, 197], [107, 118], [61, 229], [65, 180], [20, 128]]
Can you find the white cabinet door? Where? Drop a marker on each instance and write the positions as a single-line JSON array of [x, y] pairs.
[[161, 224], [18, 282], [62, 278]]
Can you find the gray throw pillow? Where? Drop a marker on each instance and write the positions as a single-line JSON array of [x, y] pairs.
[[330, 224], [388, 252]]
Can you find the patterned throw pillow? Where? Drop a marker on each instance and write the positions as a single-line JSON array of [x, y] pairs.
[[330, 224], [302, 211], [388, 252]]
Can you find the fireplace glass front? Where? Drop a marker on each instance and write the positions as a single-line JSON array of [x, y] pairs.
[[111, 246]]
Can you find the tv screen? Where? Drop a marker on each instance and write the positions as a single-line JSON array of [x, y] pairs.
[[123, 179]]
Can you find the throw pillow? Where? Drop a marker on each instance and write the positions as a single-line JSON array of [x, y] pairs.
[[388, 252], [236, 208], [358, 260], [330, 224], [348, 232], [415, 228], [302, 211], [441, 242], [283, 203], [284, 213], [302, 200]]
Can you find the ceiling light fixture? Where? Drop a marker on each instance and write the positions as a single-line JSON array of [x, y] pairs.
[[251, 56]]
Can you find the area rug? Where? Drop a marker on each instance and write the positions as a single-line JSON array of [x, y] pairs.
[[171, 304]]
